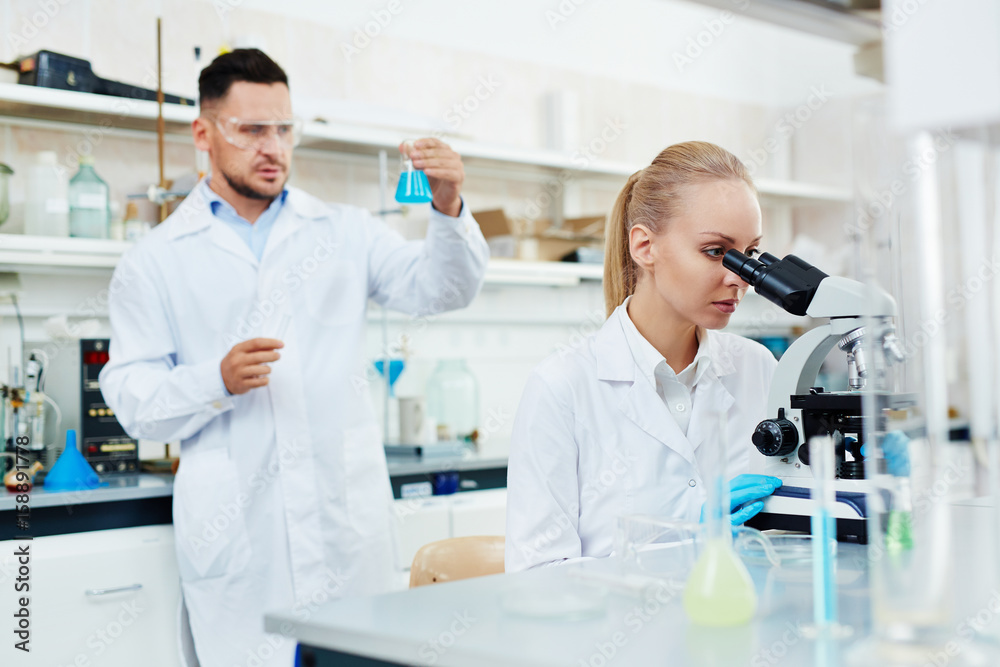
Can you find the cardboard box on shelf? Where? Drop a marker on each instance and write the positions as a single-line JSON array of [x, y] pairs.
[[538, 240]]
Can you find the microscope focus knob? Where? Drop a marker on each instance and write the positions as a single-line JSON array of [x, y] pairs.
[[776, 437]]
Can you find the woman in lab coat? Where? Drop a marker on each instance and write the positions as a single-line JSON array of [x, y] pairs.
[[619, 425]]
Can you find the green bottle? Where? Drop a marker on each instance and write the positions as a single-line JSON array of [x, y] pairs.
[[89, 203]]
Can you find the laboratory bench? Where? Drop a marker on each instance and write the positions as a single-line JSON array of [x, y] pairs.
[[144, 499], [579, 615]]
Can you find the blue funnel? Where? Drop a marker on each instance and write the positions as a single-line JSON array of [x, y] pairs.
[[395, 368], [413, 187], [71, 472]]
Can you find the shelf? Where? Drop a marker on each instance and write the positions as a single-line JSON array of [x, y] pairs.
[[70, 110], [803, 193], [48, 254], [63, 106], [555, 274], [823, 19]]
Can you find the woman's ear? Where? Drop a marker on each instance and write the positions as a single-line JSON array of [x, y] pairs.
[[640, 242]]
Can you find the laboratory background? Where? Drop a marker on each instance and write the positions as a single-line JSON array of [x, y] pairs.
[[870, 134]]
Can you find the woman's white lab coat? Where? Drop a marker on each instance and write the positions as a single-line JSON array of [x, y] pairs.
[[282, 499], [593, 441]]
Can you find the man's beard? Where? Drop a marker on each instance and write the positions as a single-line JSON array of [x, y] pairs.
[[244, 189]]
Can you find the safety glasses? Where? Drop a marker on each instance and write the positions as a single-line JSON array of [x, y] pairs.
[[256, 134]]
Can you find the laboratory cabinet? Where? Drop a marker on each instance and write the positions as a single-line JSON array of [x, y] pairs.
[[107, 598], [433, 518]]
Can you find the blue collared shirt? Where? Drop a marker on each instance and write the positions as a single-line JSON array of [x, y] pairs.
[[254, 234]]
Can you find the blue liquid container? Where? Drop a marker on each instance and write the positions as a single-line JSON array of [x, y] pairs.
[[413, 187], [71, 472]]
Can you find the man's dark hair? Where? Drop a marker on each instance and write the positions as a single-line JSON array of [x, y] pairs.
[[251, 65]]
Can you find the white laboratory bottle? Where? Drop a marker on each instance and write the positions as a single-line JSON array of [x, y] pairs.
[[89, 203], [46, 204]]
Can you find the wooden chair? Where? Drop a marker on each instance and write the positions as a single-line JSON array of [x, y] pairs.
[[457, 558]]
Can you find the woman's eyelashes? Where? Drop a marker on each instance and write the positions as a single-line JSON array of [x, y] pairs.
[[716, 252]]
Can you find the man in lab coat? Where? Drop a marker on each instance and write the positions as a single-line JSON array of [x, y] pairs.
[[237, 328]]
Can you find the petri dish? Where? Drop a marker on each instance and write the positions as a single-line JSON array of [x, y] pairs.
[[791, 550]]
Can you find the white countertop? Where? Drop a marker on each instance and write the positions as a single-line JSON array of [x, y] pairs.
[[466, 623], [119, 488]]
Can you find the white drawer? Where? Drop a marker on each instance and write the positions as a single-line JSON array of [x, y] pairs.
[[105, 598], [479, 513], [421, 520]]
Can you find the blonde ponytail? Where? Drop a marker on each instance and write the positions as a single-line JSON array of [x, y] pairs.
[[619, 269], [651, 197]]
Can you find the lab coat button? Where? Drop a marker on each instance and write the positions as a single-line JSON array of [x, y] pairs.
[[691, 482], [680, 407], [217, 405]]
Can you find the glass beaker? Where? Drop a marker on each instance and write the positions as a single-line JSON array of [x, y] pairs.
[[453, 400], [5, 174]]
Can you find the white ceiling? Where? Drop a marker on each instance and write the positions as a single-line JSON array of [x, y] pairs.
[[631, 40]]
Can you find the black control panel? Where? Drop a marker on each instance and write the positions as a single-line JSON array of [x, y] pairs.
[[104, 442]]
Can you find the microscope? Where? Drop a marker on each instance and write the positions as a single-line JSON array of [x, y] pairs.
[[798, 410]]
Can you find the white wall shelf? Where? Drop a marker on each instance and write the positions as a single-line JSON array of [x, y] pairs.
[[45, 254], [48, 254], [823, 19], [69, 110]]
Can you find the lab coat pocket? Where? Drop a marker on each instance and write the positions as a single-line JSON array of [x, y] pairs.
[[209, 520], [335, 293]]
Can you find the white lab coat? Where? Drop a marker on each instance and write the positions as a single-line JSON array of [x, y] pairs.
[[282, 498], [593, 441]]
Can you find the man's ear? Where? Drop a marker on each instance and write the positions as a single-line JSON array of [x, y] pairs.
[[640, 242], [200, 130]]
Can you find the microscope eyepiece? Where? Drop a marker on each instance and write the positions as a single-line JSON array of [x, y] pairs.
[[741, 265], [789, 282]]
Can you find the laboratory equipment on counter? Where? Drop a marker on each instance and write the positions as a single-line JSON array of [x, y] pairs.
[[413, 187], [46, 202], [21, 481], [30, 419], [89, 203], [5, 174], [71, 472], [72, 381], [719, 591], [48, 69], [824, 539], [800, 410], [453, 400]]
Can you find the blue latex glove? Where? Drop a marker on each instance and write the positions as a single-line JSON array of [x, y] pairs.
[[746, 496], [896, 450]]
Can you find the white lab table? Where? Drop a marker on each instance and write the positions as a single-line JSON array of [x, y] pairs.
[[469, 622]]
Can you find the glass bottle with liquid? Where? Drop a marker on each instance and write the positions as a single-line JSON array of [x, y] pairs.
[[89, 203], [453, 400], [46, 204]]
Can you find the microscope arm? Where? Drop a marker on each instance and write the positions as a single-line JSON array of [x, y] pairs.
[[838, 297]]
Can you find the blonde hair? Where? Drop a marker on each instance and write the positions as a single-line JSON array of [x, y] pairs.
[[654, 195]]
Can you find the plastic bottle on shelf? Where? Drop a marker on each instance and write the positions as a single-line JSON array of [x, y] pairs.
[[89, 203], [135, 227], [453, 400], [46, 203]]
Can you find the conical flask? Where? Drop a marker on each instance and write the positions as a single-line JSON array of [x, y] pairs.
[[413, 187], [719, 591]]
